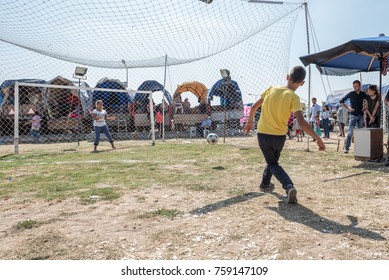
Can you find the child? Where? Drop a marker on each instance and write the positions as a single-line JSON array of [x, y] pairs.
[[99, 124], [159, 122], [297, 128], [316, 125], [277, 103], [35, 126]]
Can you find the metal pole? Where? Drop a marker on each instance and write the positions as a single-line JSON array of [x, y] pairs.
[[309, 66], [79, 110], [126, 76], [16, 118], [152, 119], [225, 118], [163, 103]]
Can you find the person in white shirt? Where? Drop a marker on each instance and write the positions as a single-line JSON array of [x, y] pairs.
[[99, 117], [313, 112], [325, 120]]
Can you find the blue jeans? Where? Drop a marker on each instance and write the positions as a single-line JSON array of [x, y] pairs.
[[35, 134], [354, 121], [326, 127], [271, 147], [105, 130]]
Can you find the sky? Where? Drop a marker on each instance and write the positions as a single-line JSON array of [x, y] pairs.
[[336, 22]]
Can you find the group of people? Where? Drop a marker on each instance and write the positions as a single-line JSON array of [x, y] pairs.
[[184, 106], [364, 111]]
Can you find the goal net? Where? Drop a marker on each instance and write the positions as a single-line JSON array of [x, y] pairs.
[[174, 49]]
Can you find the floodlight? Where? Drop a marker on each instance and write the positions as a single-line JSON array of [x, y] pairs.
[[225, 73], [80, 72]]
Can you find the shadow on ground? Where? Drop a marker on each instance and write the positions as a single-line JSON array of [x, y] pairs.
[[300, 214], [225, 203]]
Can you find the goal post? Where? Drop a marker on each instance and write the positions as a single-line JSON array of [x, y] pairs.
[[65, 115]]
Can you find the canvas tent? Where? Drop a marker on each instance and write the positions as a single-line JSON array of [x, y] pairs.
[[198, 89], [230, 97], [30, 101], [114, 102], [26, 94], [150, 85]]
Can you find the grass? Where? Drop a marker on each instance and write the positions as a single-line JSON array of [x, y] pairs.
[[195, 166], [167, 213], [57, 175], [28, 224]]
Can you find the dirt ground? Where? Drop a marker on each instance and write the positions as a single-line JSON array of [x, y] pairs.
[[343, 216]]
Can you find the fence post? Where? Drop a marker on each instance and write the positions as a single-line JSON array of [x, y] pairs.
[[16, 118]]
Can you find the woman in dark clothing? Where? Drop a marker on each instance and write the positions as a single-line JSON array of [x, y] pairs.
[[373, 116]]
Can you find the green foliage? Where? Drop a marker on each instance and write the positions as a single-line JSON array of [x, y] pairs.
[[167, 213], [28, 224]]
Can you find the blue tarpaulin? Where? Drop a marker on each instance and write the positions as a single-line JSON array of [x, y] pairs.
[[150, 85], [114, 102], [231, 96]]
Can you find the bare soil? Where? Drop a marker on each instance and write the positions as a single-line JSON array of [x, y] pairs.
[[340, 215]]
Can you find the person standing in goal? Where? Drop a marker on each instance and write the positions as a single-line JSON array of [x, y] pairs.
[[277, 103], [99, 124]]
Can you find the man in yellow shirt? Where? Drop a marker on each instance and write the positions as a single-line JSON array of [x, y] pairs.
[[277, 104]]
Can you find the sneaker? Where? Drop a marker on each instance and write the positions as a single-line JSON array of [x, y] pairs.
[[292, 195], [346, 151], [266, 187]]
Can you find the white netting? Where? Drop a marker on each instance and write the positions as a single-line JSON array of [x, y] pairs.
[[103, 33], [168, 42]]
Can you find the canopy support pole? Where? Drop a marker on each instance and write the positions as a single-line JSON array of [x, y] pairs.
[[309, 67], [381, 58]]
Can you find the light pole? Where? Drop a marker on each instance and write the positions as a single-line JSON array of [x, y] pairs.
[[79, 73], [226, 82]]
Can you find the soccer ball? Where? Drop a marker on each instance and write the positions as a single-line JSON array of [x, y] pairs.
[[212, 138]]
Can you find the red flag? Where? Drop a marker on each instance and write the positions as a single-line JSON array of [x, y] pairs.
[[384, 66]]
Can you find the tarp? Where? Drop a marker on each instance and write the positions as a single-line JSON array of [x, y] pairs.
[[358, 55], [150, 85], [114, 102], [231, 97], [333, 100], [198, 89], [86, 99]]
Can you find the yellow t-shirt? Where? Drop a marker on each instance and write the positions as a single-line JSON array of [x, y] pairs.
[[277, 104]]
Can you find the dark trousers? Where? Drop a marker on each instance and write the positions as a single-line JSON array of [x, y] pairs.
[[326, 127], [271, 147], [105, 130]]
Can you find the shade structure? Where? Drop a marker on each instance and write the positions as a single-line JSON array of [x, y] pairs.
[[358, 55]]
